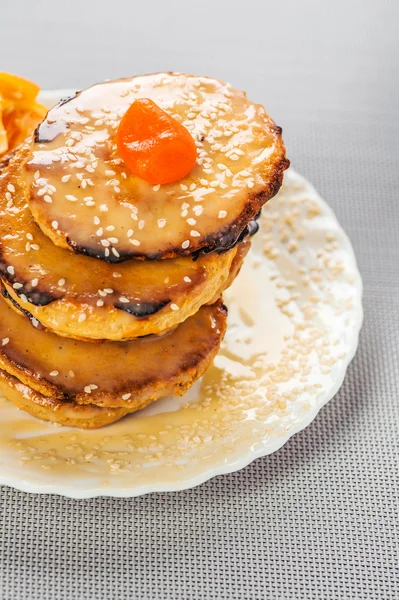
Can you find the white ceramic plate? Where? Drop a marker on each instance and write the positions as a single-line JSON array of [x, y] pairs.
[[294, 318]]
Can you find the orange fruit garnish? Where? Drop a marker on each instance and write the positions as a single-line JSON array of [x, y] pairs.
[[17, 88], [155, 146], [19, 112]]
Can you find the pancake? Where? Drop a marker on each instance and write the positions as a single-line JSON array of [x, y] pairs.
[[50, 409], [85, 199], [84, 298], [111, 374]]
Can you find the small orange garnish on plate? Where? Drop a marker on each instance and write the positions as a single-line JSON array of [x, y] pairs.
[[19, 111], [155, 146]]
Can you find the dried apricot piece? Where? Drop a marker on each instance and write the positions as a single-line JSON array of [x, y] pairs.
[[154, 145]]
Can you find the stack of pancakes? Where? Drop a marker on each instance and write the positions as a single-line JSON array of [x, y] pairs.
[[112, 286]]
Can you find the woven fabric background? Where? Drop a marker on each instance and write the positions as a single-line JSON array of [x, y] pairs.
[[318, 520]]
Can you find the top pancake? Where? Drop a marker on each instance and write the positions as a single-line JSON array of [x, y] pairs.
[[84, 197]]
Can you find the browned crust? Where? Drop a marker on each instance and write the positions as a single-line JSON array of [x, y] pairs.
[[222, 240], [152, 389], [69, 414]]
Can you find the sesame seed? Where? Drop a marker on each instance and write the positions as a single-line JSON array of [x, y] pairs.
[[81, 318], [100, 303], [102, 293], [36, 175], [71, 374], [103, 208], [105, 243], [100, 231], [93, 386], [108, 290], [47, 199], [185, 244], [11, 270], [87, 389], [41, 192], [61, 282], [117, 189], [17, 286], [187, 279], [156, 188], [35, 246], [126, 396], [65, 178], [27, 246], [183, 187], [96, 221], [198, 210], [54, 224], [113, 240], [123, 299], [11, 188], [106, 252], [194, 233], [34, 282], [110, 228], [141, 224], [71, 198], [8, 196], [135, 242], [115, 252], [166, 280], [109, 173], [161, 223], [5, 341], [222, 214], [174, 306], [54, 373], [116, 274], [191, 221], [29, 236]]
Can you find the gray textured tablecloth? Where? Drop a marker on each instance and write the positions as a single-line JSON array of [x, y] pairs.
[[318, 520]]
